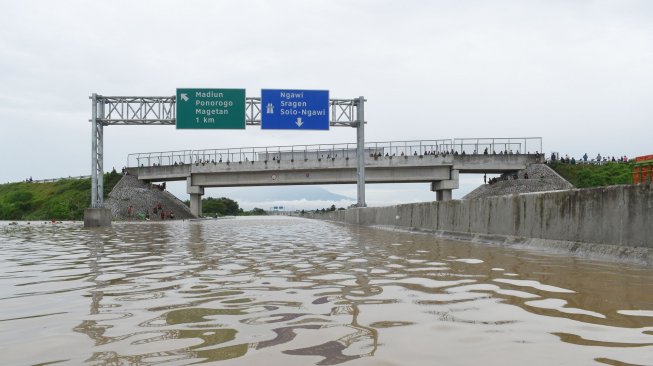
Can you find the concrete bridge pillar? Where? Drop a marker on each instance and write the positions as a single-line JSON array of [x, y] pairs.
[[443, 194], [196, 204], [444, 188], [196, 193]]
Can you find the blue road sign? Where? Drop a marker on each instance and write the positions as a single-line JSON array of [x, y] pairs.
[[294, 109]]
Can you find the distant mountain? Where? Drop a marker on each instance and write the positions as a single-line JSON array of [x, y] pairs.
[[280, 193]]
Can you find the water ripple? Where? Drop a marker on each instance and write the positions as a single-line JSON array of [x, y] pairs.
[[294, 291]]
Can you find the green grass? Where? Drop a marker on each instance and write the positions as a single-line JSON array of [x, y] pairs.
[[62, 200], [591, 175]]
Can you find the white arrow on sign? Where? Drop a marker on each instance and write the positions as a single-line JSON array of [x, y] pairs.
[[184, 97], [299, 122]]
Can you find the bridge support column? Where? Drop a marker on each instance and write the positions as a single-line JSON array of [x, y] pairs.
[[196, 204], [443, 189], [196, 193], [443, 195]]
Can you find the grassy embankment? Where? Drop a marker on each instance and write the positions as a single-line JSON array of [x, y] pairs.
[[65, 199], [592, 175]]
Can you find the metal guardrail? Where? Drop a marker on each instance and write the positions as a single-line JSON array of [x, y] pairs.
[[524, 145], [52, 180]]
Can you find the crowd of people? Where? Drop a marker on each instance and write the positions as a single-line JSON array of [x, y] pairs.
[[161, 187], [585, 159], [503, 177], [158, 211], [444, 153]]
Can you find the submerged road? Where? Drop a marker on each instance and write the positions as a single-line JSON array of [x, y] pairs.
[[292, 291]]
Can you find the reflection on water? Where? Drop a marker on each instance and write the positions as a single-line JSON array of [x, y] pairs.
[[296, 292]]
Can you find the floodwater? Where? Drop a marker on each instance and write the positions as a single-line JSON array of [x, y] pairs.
[[288, 291]]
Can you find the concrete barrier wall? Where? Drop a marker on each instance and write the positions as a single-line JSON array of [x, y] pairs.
[[616, 215]]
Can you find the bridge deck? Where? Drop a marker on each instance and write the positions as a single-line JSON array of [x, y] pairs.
[[333, 170]]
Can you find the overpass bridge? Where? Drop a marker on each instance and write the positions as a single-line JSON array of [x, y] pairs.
[[438, 162]]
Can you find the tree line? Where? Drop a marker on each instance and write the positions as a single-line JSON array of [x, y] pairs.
[[223, 206]]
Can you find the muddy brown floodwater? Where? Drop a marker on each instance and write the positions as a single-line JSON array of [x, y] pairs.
[[289, 291]]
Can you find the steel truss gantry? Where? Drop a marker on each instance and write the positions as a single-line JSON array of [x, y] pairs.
[[160, 111]]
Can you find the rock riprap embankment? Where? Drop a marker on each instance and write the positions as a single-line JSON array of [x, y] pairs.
[[541, 178], [130, 191]]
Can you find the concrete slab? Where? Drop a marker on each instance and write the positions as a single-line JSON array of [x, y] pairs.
[[97, 217]]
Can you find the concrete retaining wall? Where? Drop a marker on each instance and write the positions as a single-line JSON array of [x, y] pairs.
[[620, 216]]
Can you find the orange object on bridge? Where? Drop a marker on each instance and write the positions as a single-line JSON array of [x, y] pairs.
[[643, 172], [644, 158]]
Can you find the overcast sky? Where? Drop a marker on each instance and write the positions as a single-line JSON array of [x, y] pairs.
[[579, 74]]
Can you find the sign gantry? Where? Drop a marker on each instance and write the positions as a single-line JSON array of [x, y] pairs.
[[192, 108], [161, 111]]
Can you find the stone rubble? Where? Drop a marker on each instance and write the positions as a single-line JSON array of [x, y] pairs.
[[540, 178], [130, 191]]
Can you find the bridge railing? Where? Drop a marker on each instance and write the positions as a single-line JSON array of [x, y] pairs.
[[335, 151], [179, 157], [516, 145], [52, 180]]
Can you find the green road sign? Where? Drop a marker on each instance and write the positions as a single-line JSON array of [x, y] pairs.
[[211, 108]]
